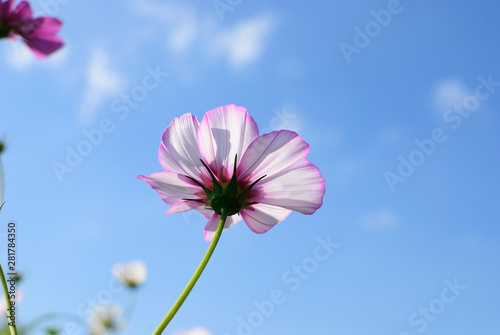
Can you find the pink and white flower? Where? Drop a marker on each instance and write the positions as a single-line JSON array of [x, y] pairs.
[[223, 162], [39, 33]]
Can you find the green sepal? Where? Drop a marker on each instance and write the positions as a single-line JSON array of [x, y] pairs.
[[228, 198], [243, 195], [217, 189], [232, 188], [198, 200], [207, 191]]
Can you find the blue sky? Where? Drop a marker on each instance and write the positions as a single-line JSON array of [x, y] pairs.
[[398, 100]]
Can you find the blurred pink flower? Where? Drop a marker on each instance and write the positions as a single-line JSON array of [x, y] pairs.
[[39, 33], [271, 178]]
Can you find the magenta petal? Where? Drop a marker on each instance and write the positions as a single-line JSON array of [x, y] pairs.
[[261, 217], [300, 188], [5, 10], [179, 148], [173, 187], [42, 46], [223, 133], [271, 153], [213, 223], [21, 12], [47, 25]]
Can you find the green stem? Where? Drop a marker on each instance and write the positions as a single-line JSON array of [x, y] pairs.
[[194, 278], [49, 316], [12, 325]]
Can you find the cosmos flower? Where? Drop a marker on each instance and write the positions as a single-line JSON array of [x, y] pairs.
[[39, 33], [222, 162], [105, 319], [130, 274]]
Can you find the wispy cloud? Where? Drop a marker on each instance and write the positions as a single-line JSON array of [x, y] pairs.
[[240, 45], [182, 27], [102, 83], [18, 55], [448, 92], [381, 219], [182, 36], [246, 42]]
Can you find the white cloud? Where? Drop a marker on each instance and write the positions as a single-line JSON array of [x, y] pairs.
[[448, 92], [19, 55], [182, 26], [380, 219], [239, 45], [102, 83], [194, 331], [245, 43], [183, 35]]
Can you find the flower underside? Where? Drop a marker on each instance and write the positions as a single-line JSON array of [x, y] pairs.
[[229, 197]]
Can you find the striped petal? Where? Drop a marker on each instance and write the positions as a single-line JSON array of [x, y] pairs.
[[223, 133], [185, 206], [271, 153], [173, 187], [261, 217], [179, 148], [213, 223], [300, 188]]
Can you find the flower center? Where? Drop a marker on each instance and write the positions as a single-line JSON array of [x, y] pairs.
[[227, 197]]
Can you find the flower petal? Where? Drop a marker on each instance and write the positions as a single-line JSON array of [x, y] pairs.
[[23, 11], [47, 26], [173, 187], [213, 223], [179, 148], [261, 217], [44, 46], [184, 206], [300, 187], [5, 10], [223, 133], [271, 153]]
